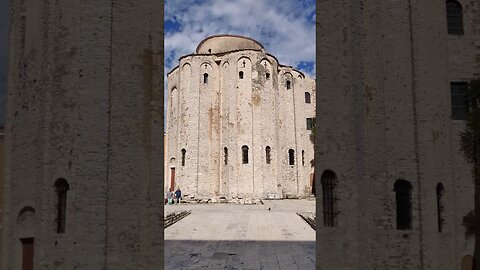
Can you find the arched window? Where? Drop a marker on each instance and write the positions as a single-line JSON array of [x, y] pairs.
[[329, 182], [267, 155], [225, 155], [245, 154], [289, 84], [307, 97], [61, 188], [291, 157], [440, 191], [267, 75], [303, 157], [240, 75], [205, 78], [403, 200], [454, 18], [183, 156]]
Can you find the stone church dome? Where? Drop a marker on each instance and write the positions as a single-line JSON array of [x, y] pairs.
[[226, 43]]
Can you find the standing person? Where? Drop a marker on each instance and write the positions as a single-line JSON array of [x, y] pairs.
[[178, 194], [169, 196]]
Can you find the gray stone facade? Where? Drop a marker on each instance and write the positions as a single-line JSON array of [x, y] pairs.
[[249, 99], [384, 112], [85, 104]]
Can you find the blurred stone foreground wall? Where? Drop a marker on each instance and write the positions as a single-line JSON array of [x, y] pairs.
[[386, 70], [85, 112]]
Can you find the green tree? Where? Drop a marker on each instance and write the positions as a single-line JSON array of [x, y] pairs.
[[470, 146]]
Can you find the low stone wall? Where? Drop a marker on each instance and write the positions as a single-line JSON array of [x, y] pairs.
[[309, 218], [171, 218]]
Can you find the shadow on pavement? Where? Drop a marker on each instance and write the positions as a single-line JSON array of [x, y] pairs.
[[233, 254]]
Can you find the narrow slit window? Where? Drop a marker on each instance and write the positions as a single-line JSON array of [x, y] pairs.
[[440, 207], [240, 75], [458, 91], [454, 18], [289, 84], [303, 157], [245, 154], [307, 97], [205, 78], [267, 75], [183, 156], [403, 201], [329, 182], [291, 157], [225, 155], [23, 23], [267, 155], [61, 188]]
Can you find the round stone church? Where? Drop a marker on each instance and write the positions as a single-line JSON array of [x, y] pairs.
[[238, 123]]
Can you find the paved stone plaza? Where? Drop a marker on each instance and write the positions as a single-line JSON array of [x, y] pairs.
[[230, 236]]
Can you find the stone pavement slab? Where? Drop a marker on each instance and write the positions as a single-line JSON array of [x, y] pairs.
[[229, 236]]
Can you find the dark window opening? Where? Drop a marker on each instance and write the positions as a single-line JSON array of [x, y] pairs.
[[454, 18], [329, 182], [310, 123], [288, 84], [459, 100], [403, 199], [183, 156], [23, 26], [61, 187], [307, 97], [205, 78], [240, 74], [267, 155], [440, 220], [291, 157], [267, 75], [209, 50], [225, 155], [245, 154], [303, 157]]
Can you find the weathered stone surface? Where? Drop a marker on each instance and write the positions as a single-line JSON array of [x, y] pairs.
[[242, 236], [212, 121], [384, 113], [85, 103]]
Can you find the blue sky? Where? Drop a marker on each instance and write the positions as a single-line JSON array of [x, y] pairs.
[[286, 28]]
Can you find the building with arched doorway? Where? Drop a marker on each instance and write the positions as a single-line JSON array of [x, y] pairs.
[[238, 123]]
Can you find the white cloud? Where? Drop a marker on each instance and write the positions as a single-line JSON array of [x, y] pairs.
[[286, 28]]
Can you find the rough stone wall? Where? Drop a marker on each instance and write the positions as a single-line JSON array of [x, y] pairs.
[[82, 102], [229, 112], [391, 64], [2, 181], [475, 26]]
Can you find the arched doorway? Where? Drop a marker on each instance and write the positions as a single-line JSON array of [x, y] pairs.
[[172, 178], [172, 174], [467, 263]]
